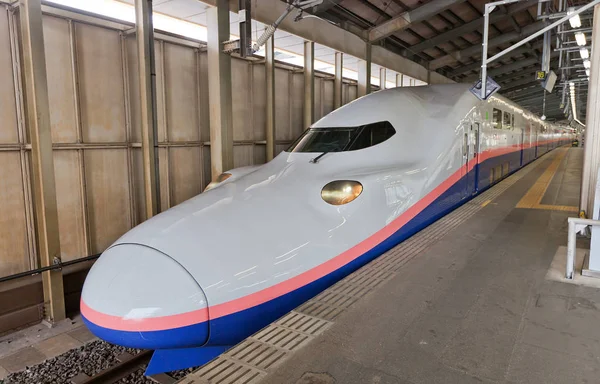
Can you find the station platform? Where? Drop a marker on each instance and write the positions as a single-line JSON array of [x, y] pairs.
[[466, 300]]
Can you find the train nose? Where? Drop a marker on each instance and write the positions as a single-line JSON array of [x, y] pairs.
[[138, 297]]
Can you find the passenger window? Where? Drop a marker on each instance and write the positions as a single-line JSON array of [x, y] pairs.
[[497, 118], [507, 123]]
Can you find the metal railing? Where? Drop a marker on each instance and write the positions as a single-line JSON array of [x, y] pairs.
[[575, 225]]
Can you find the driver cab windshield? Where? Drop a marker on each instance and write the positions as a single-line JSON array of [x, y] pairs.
[[340, 139]]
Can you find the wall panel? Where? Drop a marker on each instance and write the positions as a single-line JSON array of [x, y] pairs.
[[282, 105], [14, 248], [8, 106], [243, 155], [100, 84], [327, 97], [297, 105], [241, 79], [59, 69], [181, 93], [109, 205], [69, 198], [186, 173], [258, 97]]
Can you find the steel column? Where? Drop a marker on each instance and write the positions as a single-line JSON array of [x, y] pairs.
[[38, 120], [147, 80], [338, 84], [591, 159], [219, 90], [309, 83], [382, 77], [270, 80], [364, 73]]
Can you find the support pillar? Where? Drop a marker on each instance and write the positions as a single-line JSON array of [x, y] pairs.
[[382, 78], [309, 83], [147, 80], [399, 79], [364, 73], [338, 85], [591, 159], [38, 120], [270, 80], [219, 90]]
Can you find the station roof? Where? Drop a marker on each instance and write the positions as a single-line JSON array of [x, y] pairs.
[[446, 36]]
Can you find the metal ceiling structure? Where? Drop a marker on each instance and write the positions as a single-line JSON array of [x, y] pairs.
[[446, 36]]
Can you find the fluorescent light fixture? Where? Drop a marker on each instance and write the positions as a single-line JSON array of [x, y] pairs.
[[575, 21], [585, 54], [587, 72], [586, 64], [580, 37]]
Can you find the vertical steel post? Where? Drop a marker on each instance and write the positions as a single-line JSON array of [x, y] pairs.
[[270, 80], [399, 79], [484, 54], [309, 83], [364, 73], [337, 87], [38, 120], [219, 90], [591, 157], [382, 77], [571, 241], [147, 80]]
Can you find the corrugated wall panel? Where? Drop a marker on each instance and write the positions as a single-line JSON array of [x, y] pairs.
[[327, 99], [282, 105], [100, 84], [241, 80], [297, 105], [243, 155], [259, 103]]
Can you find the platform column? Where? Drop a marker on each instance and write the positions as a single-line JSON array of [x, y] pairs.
[[219, 90], [338, 84], [399, 79], [270, 80], [382, 78], [364, 73], [147, 80], [309, 83], [591, 160], [38, 121]]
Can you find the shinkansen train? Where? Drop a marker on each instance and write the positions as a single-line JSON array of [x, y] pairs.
[[198, 278]]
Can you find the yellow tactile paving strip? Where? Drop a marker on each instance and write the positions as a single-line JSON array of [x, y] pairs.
[[533, 197]]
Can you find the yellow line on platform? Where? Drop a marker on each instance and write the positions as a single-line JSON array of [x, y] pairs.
[[486, 203], [535, 194]]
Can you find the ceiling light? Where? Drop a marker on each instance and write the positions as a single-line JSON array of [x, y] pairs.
[[580, 37], [587, 72], [575, 21], [585, 54], [586, 64]]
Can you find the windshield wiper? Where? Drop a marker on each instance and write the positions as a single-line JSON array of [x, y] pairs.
[[316, 159]]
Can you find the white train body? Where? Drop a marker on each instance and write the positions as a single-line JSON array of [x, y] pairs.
[[207, 273]]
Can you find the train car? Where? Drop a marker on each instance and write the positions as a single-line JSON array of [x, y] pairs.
[[198, 278]]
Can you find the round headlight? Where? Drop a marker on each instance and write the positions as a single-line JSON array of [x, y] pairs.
[[341, 191], [221, 178]]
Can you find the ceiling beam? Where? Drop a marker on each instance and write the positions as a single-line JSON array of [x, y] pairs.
[[477, 64], [516, 65], [475, 49], [325, 6], [516, 85], [405, 19], [469, 27]]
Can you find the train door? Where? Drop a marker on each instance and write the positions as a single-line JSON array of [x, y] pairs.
[[522, 145], [470, 155]]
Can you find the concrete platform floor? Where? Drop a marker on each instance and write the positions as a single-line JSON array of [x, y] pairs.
[[473, 308]]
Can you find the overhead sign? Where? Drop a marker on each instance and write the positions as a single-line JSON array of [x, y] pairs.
[[550, 81], [540, 75], [491, 87]]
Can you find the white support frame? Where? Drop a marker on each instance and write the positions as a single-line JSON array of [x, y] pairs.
[[575, 225], [486, 21]]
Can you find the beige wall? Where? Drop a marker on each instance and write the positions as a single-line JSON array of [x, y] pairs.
[[95, 122]]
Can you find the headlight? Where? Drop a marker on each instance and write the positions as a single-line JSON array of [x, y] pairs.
[[341, 191], [221, 178]]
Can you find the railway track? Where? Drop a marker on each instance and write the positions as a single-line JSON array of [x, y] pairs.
[[127, 364]]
